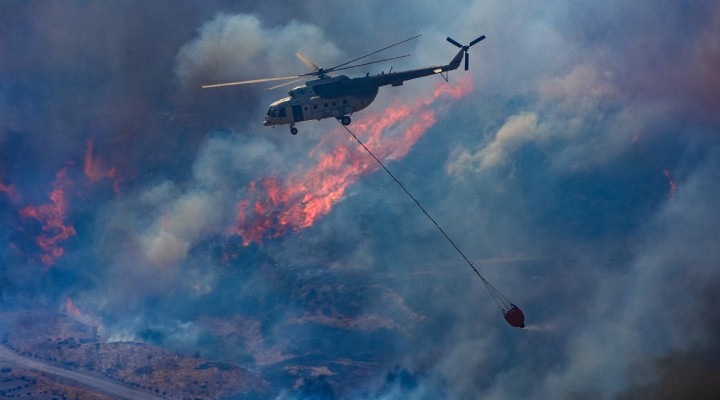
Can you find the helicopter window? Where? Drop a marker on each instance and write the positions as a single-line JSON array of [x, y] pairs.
[[272, 112], [281, 112]]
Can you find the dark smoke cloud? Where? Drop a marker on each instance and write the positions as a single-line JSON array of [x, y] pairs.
[[580, 175]]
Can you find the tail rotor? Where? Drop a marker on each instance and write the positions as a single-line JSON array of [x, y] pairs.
[[465, 48]]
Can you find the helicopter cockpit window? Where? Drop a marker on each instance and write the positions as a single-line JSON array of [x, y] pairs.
[[276, 112]]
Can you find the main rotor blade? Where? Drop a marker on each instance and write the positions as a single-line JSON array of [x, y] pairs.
[[371, 62], [335, 68], [451, 40], [250, 81], [286, 83], [307, 61], [476, 40]]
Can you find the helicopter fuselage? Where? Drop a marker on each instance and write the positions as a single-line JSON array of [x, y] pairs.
[[329, 97]]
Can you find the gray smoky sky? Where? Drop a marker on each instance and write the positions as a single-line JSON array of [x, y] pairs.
[[580, 174]]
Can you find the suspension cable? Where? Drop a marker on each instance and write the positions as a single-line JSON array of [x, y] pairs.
[[502, 302]]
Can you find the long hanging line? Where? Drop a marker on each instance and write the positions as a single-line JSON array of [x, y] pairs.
[[502, 301]]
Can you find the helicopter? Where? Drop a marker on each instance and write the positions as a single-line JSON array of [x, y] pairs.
[[339, 96]]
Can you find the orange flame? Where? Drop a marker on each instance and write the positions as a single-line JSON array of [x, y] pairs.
[[297, 202], [6, 189], [71, 309], [671, 184], [10, 192], [52, 217], [94, 170]]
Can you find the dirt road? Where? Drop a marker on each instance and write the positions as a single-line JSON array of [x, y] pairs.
[[92, 381]]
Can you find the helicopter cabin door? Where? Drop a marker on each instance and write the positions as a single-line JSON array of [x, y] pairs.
[[297, 113]]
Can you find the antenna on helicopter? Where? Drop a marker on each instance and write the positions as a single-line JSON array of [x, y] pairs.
[[465, 48]]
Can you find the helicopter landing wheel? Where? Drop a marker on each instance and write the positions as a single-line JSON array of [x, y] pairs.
[[345, 120], [293, 131]]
